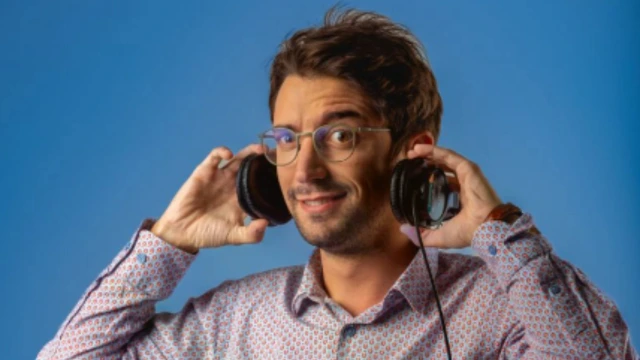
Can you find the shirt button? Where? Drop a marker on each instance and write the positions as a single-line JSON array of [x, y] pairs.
[[142, 258], [492, 250], [349, 331], [554, 289]]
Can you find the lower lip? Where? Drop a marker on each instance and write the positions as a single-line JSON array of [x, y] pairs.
[[317, 209]]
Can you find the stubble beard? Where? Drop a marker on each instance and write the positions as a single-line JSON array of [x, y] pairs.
[[343, 232]]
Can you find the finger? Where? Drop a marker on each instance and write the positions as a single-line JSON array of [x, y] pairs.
[[216, 155], [250, 234], [250, 149], [448, 159], [209, 165], [421, 150], [428, 154], [234, 163], [445, 156]]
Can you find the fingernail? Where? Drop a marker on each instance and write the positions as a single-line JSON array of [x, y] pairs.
[[223, 163], [410, 231]]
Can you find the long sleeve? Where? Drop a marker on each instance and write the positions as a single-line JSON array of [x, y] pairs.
[[560, 313], [110, 317]]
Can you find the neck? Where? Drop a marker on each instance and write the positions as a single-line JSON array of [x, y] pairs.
[[362, 281]]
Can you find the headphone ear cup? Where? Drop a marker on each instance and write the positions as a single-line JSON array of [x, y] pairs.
[[397, 189], [406, 179], [242, 179], [258, 191]]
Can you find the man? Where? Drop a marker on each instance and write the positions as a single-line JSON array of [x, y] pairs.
[[362, 82]]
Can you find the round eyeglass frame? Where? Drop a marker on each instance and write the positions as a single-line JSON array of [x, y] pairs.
[[354, 130]]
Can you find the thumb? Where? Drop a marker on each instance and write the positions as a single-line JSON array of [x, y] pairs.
[[445, 237], [411, 233], [250, 234]]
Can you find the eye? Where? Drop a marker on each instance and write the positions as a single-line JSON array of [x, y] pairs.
[[339, 136], [283, 137]]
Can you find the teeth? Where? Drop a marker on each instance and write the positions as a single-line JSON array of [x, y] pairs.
[[316, 202]]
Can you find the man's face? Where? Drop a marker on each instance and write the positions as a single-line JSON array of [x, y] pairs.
[[338, 207]]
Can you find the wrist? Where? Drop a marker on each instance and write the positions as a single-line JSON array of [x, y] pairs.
[[161, 231], [506, 212]]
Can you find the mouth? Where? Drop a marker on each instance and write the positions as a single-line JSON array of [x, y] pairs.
[[321, 203]]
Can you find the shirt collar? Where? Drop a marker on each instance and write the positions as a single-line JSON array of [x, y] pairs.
[[413, 283], [310, 287]]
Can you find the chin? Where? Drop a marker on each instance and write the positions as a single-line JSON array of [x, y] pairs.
[[339, 232], [318, 229]]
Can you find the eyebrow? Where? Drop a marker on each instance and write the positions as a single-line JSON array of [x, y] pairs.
[[333, 116]]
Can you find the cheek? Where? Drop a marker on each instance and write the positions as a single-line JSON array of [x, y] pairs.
[[375, 168], [372, 180], [377, 186], [285, 178]]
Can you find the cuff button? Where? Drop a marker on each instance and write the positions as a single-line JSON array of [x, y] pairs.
[[142, 258]]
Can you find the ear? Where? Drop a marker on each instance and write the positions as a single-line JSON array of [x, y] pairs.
[[424, 137]]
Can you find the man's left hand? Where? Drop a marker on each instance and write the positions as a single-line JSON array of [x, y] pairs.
[[477, 196]]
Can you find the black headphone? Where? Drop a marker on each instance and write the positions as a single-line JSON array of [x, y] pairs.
[[415, 184]]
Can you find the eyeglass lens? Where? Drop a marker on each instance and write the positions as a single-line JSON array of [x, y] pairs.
[[332, 142]]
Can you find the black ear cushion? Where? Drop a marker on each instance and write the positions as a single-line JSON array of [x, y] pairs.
[[397, 184], [258, 190], [242, 186], [406, 178]]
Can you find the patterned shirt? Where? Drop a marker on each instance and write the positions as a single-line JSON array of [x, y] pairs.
[[515, 299]]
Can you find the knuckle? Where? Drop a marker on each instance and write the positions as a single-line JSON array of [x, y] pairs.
[[253, 148], [451, 151], [470, 166], [219, 151], [199, 177]]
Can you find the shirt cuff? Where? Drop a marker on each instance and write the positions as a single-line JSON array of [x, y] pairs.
[[147, 266], [506, 248]]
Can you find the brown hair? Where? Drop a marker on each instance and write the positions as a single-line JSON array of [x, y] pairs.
[[382, 58]]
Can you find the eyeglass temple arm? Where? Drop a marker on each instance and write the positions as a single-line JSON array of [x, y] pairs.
[[372, 129]]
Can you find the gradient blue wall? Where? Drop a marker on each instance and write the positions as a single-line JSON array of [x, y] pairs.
[[106, 107]]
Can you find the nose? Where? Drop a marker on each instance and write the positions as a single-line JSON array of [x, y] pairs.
[[309, 166]]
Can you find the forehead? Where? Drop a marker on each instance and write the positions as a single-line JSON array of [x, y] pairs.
[[303, 103]]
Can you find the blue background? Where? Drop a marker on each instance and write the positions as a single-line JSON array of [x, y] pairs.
[[107, 106]]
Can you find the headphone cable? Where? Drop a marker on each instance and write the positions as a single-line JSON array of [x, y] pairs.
[[433, 283]]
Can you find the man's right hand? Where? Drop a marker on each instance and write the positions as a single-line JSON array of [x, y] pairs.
[[205, 212]]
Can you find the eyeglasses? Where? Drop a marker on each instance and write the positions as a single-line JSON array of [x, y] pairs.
[[333, 142]]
